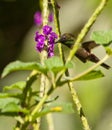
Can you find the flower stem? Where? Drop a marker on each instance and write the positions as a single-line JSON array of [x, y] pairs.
[[75, 97], [78, 106], [45, 12], [43, 57], [80, 37], [86, 28], [44, 53], [90, 69], [40, 104], [56, 17], [57, 26], [38, 107], [50, 122]]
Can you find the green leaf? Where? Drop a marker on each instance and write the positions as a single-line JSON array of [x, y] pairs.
[[102, 37], [5, 101], [6, 95], [92, 75], [69, 65], [13, 107], [18, 65], [19, 85], [55, 64]]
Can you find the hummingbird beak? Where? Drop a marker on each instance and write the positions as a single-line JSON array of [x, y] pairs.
[[58, 41]]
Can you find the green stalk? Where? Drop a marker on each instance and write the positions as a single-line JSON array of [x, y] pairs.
[[44, 53], [43, 57], [72, 90], [57, 26], [39, 105], [76, 101], [86, 28], [72, 52], [90, 69], [56, 17], [80, 37]]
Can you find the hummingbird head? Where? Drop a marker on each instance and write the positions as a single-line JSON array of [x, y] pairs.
[[67, 39]]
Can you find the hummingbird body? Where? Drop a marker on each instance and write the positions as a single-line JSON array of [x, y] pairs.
[[84, 52]]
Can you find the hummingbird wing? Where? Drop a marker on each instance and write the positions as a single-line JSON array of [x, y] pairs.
[[89, 45], [82, 54], [85, 56]]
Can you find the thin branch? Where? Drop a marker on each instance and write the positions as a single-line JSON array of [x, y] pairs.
[[90, 69], [71, 55], [57, 26], [43, 57], [39, 105], [76, 101], [50, 121], [86, 28]]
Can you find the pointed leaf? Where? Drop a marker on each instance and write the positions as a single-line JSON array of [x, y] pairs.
[[18, 65], [5, 101], [102, 37], [6, 95], [92, 75], [13, 107], [55, 64], [19, 85]]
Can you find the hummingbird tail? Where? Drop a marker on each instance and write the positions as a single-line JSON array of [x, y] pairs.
[[105, 66], [95, 59]]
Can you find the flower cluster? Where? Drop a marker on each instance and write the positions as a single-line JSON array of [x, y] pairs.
[[38, 18], [47, 38]]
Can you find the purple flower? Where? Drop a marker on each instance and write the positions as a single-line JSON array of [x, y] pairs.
[[40, 46], [51, 50], [47, 30], [47, 36], [40, 39], [50, 17], [38, 18], [50, 54], [51, 47], [54, 35], [36, 36]]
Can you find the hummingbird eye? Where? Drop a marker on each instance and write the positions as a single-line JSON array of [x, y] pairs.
[[64, 37]]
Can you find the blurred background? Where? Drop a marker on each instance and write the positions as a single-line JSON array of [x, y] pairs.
[[17, 30]]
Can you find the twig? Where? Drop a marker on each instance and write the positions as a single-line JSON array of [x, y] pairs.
[[79, 107], [57, 26], [43, 57], [90, 69], [86, 28], [71, 55]]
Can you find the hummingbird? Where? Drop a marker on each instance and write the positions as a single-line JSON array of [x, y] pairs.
[[84, 51]]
